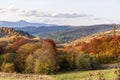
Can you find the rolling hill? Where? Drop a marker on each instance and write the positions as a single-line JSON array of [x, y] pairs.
[[59, 33], [97, 36], [77, 32], [10, 34], [62, 34]]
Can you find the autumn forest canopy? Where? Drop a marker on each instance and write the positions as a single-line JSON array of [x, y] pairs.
[[23, 53]]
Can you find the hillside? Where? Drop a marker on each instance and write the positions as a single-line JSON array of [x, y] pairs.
[[44, 30], [10, 34], [59, 33], [78, 32], [62, 34], [96, 36], [4, 32]]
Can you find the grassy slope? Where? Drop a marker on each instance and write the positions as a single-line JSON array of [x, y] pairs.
[[78, 75], [84, 75], [14, 76]]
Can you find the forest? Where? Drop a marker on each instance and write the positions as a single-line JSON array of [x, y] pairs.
[[43, 56]]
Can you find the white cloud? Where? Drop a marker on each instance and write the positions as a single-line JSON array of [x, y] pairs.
[[13, 14], [34, 13]]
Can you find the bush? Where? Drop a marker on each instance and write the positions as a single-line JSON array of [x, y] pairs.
[[66, 60], [10, 57], [71, 58], [44, 62], [94, 62], [29, 64], [63, 62], [43, 68], [24, 51], [1, 59], [83, 62], [8, 67], [118, 59], [27, 49]]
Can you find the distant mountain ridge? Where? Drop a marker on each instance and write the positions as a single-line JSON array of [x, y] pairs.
[[43, 30], [66, 33], [59, 33], [22, 23], [78, 32]]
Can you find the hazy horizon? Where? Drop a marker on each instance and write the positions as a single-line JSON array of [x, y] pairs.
[[60, 12]]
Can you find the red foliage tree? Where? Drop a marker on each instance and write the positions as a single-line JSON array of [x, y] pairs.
[[49, 44], [19, 43], [94, 46], [50, 41]]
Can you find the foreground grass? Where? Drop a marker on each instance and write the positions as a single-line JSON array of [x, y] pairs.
[[73, 75], [84, 75], [14, 76]]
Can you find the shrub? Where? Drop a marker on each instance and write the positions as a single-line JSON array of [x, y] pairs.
[[24, 51], [1, 49], [94, 62], [71, 58], [10, 57], [29, 64], [8, 67], [27, 49], [118, 59], [13, 58], [44, 62], [83, 61], [63, 62], [43, 67], [1, 59]]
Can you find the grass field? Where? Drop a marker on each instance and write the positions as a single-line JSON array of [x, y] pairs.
[[73, 75], [84, 75], [14, 76]]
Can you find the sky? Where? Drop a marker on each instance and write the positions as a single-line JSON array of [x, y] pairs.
[[62, 12]]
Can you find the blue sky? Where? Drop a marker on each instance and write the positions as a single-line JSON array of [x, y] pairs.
[[63, 12]]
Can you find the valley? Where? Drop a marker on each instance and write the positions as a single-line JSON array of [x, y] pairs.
[[59, 40], [32, 57]]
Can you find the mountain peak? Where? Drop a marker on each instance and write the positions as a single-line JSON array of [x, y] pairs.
[[22, 21]]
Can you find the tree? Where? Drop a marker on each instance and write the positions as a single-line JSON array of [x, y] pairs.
[[49, 44], [45, 61], [19, 43], [95, 46], [83, 62], [29, 68], [24, 51]]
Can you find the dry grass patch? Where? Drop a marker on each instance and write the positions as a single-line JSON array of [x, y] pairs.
[[14, 76]]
